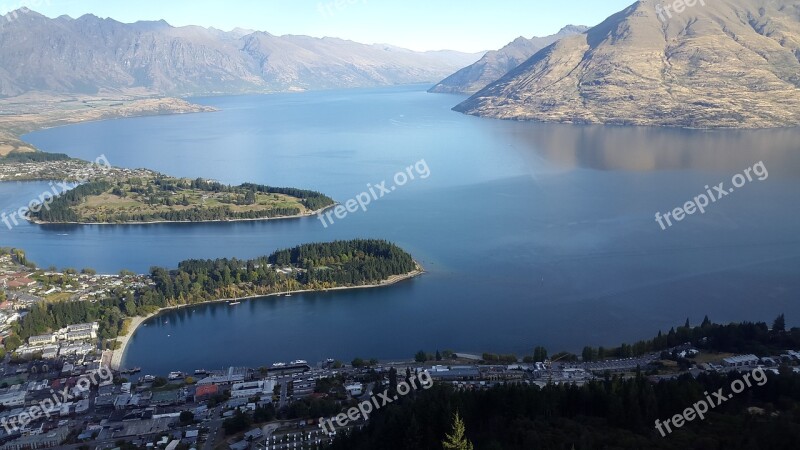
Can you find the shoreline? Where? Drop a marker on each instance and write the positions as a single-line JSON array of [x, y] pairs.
[[157, 222], [15, 131], [118, 355]]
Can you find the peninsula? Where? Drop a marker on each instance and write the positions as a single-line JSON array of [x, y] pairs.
[[150, 197], [338, 265]]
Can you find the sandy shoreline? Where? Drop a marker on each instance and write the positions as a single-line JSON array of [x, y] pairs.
[[136, 322]]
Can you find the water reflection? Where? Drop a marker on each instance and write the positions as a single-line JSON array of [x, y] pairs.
[[647, 149]]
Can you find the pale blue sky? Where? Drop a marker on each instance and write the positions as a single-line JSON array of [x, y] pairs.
[[467, 25]]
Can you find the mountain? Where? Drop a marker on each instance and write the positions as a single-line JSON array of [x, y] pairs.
[[497, 63], [730, 63], [90, 55]]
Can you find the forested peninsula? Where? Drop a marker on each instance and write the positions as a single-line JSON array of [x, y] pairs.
[[149, 197], [309, 267]]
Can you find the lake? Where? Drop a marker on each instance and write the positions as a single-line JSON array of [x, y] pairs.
[[531, 234]]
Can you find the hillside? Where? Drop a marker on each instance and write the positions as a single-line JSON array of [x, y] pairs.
[[731, 63], [91, 55], [497, 63]]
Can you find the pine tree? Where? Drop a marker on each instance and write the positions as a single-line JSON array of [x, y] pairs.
[[779, 324], [457, 440]]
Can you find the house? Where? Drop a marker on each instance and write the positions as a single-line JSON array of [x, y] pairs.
[[253, 434], [740, 361], [241, 445], [355, 389]]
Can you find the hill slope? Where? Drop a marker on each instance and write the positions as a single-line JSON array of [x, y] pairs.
[[731, 63], [497, 63]]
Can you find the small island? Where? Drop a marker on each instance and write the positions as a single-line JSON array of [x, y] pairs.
[[149, 197]]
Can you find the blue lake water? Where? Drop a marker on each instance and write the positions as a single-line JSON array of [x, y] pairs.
[[530, 233]]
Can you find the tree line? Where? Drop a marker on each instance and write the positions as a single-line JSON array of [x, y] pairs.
[[611, 413]]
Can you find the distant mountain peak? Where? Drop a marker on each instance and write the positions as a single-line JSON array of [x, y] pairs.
[[497, 63], [573, 29]]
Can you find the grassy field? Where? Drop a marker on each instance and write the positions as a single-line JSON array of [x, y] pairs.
[[141, 197]]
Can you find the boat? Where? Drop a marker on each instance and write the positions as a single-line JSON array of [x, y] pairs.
[[298, 362], [175, 375], [234, 303], [148, 378], [279, 364], [131, 371], [201, 372]]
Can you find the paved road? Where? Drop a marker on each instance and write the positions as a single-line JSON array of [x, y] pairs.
[[215, 432]]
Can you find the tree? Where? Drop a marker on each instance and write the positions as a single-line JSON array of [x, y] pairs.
[[89, 271], [706, 322], [12, 343], [358, 363], [588, 354], [438, 356], [421, 356], [687, 323], [457, 440], [779, 324], [186, 417], [539, 354]]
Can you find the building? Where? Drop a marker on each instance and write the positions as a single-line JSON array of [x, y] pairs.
[[740, 361], [83, 335], [355, 389], [233, 375], [37, 441], [252, 389], [94, 326], [13, 398], [205, 392], [457, 374], [43, 339]]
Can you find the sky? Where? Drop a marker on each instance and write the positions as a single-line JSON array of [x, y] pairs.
[[464, 25]]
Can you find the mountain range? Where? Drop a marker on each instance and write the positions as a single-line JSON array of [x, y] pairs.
[[91, 55], [722, 63], [497, 63]]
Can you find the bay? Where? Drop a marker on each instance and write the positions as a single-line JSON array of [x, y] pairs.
[[531, 234]]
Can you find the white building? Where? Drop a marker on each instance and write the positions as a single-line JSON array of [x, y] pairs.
[[355, 389], [42, 339], [253, 388], [13, 398], [81, 335], [741, 361]]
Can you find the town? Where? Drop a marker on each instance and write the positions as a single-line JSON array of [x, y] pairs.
[[51, 395]]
